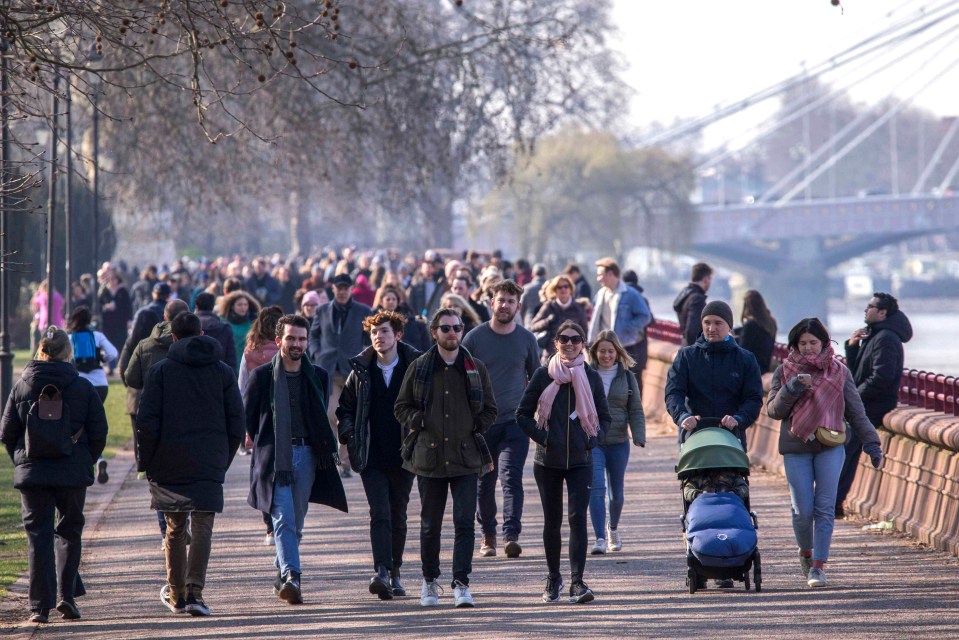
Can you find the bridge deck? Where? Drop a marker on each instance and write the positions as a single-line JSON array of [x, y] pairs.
[[882, 586]]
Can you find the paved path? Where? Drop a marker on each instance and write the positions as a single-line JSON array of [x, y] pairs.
[[881, 585]]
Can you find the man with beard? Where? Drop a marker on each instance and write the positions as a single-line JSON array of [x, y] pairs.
[[511, 355], [373, 436], [294, 449], [446, 403]]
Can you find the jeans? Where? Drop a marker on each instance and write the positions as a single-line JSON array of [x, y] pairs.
[[813, 478], [289, 510], [550, 483], [182, 568], [609, 461], [509, 447], [433, 501], [53, 521], [388, 494]]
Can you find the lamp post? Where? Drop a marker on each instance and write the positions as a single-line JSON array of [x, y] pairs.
[[96, 189], [6, 356], [68, 205], [52, 193]]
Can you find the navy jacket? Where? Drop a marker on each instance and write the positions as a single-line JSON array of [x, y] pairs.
[[688, 306], [332, 349], [714, 379], [189, 426], [86, 412], [563, 444]]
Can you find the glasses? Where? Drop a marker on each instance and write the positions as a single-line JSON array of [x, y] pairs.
[[872, 306], [563, 339], [446, 328], [563, 286]]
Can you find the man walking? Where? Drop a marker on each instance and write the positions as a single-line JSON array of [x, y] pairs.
[[294, 449], [446, 403], [619, 308], [529, 299], [189, 426], [875, 357], [689, 304], [336, 336], [216, 328], [511, 356], [373, 436]]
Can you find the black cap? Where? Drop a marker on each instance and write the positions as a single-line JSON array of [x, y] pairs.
[[342, 280]]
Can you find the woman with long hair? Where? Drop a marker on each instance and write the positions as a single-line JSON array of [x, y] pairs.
[[470, 319], [238, 309], [815, 397], [564, 411], [758, 332], [260, 345], [609, 358], [53, 466], [559, 305]]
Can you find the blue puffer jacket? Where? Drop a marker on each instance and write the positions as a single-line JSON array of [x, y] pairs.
[[714, 379]]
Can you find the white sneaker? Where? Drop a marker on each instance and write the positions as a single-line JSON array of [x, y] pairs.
[[599, 547], [430, 594], [817, 578], [615, 543], [462, 596]]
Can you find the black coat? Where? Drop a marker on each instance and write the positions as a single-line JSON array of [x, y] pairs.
[[688, 306], [86, 412], [189, 426], [221, 332], [755, 339], [353, 412], [876, 364], [332, 349], [563, 444], [712, 380], [327, 486]]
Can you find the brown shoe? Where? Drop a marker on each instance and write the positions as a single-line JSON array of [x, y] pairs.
[[488, 548]]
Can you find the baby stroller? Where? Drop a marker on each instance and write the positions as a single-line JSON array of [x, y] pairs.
[[719, 528]]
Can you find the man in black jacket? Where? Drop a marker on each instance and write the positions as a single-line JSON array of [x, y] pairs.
[[189, 426], [689, 304], [875, 357], [294, 449], [216, 328], [373, 436]]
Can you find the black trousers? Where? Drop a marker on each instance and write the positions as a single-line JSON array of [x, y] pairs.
[[433, 500], [550, 483], [53, 521], [388, 494]]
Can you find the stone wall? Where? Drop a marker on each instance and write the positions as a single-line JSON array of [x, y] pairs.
[[917, 488]]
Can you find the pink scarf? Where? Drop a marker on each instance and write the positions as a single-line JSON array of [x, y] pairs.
[[563, 372], [825, 405]]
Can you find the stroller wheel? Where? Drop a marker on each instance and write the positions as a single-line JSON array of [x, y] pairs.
[[746, 580], [757, 572], [692, 580]]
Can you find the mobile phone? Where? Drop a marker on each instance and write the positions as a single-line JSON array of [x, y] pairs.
[[805, 376]]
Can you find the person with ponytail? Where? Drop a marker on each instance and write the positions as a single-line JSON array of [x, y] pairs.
[[814, 394], [564, 411]]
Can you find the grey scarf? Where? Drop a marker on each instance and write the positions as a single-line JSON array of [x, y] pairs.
[[282, 429]]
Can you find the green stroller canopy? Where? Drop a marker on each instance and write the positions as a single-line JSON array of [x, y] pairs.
[[711, 448]]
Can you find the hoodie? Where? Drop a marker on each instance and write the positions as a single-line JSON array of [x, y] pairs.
[[145, 354], [877, 362], [688, 306]]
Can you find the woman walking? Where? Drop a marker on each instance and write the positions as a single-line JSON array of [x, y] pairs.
[[116, 310], [811, 393], [559, 306], [566, 420], [260, 345], [53, 466], [609, 358], [758, 333], [90, 350], [238, 309]]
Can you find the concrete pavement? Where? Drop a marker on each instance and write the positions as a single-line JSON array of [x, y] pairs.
[[881, 585]]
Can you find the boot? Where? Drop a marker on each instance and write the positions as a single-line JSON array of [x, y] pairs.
[[380, 584], [395, 584]]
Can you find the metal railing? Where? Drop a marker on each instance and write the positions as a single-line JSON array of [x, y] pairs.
[[924, 389]]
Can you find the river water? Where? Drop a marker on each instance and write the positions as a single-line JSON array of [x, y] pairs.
[[934, 323]]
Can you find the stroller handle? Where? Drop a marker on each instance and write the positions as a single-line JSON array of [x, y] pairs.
[[709, 421]]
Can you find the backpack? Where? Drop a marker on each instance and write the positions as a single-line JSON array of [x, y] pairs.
[[86, 356], [48, 426]]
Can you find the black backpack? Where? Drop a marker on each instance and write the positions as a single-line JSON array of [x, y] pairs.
[[48, 426]]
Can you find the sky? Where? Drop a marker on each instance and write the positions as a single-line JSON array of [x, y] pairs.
[[686, 56]]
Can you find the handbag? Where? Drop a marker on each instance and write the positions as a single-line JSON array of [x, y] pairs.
[[829, 438]]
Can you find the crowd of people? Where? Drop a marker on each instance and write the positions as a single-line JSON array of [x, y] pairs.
[[435, 371]]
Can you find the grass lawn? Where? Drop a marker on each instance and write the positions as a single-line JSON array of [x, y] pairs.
[[13, 542]]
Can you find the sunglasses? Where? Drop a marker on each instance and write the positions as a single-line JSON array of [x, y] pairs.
[[563, 286], [446, 328], [569, 339]]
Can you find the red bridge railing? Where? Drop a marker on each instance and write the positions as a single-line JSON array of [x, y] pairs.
[[924, 389]]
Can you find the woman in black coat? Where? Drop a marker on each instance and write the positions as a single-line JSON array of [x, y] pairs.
[[54, 482], [559, 307], [566, 420], [758, 333]]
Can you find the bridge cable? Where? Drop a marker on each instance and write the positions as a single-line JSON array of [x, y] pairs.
[[934, 161]]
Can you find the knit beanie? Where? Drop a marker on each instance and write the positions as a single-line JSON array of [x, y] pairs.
[[718, 308]]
